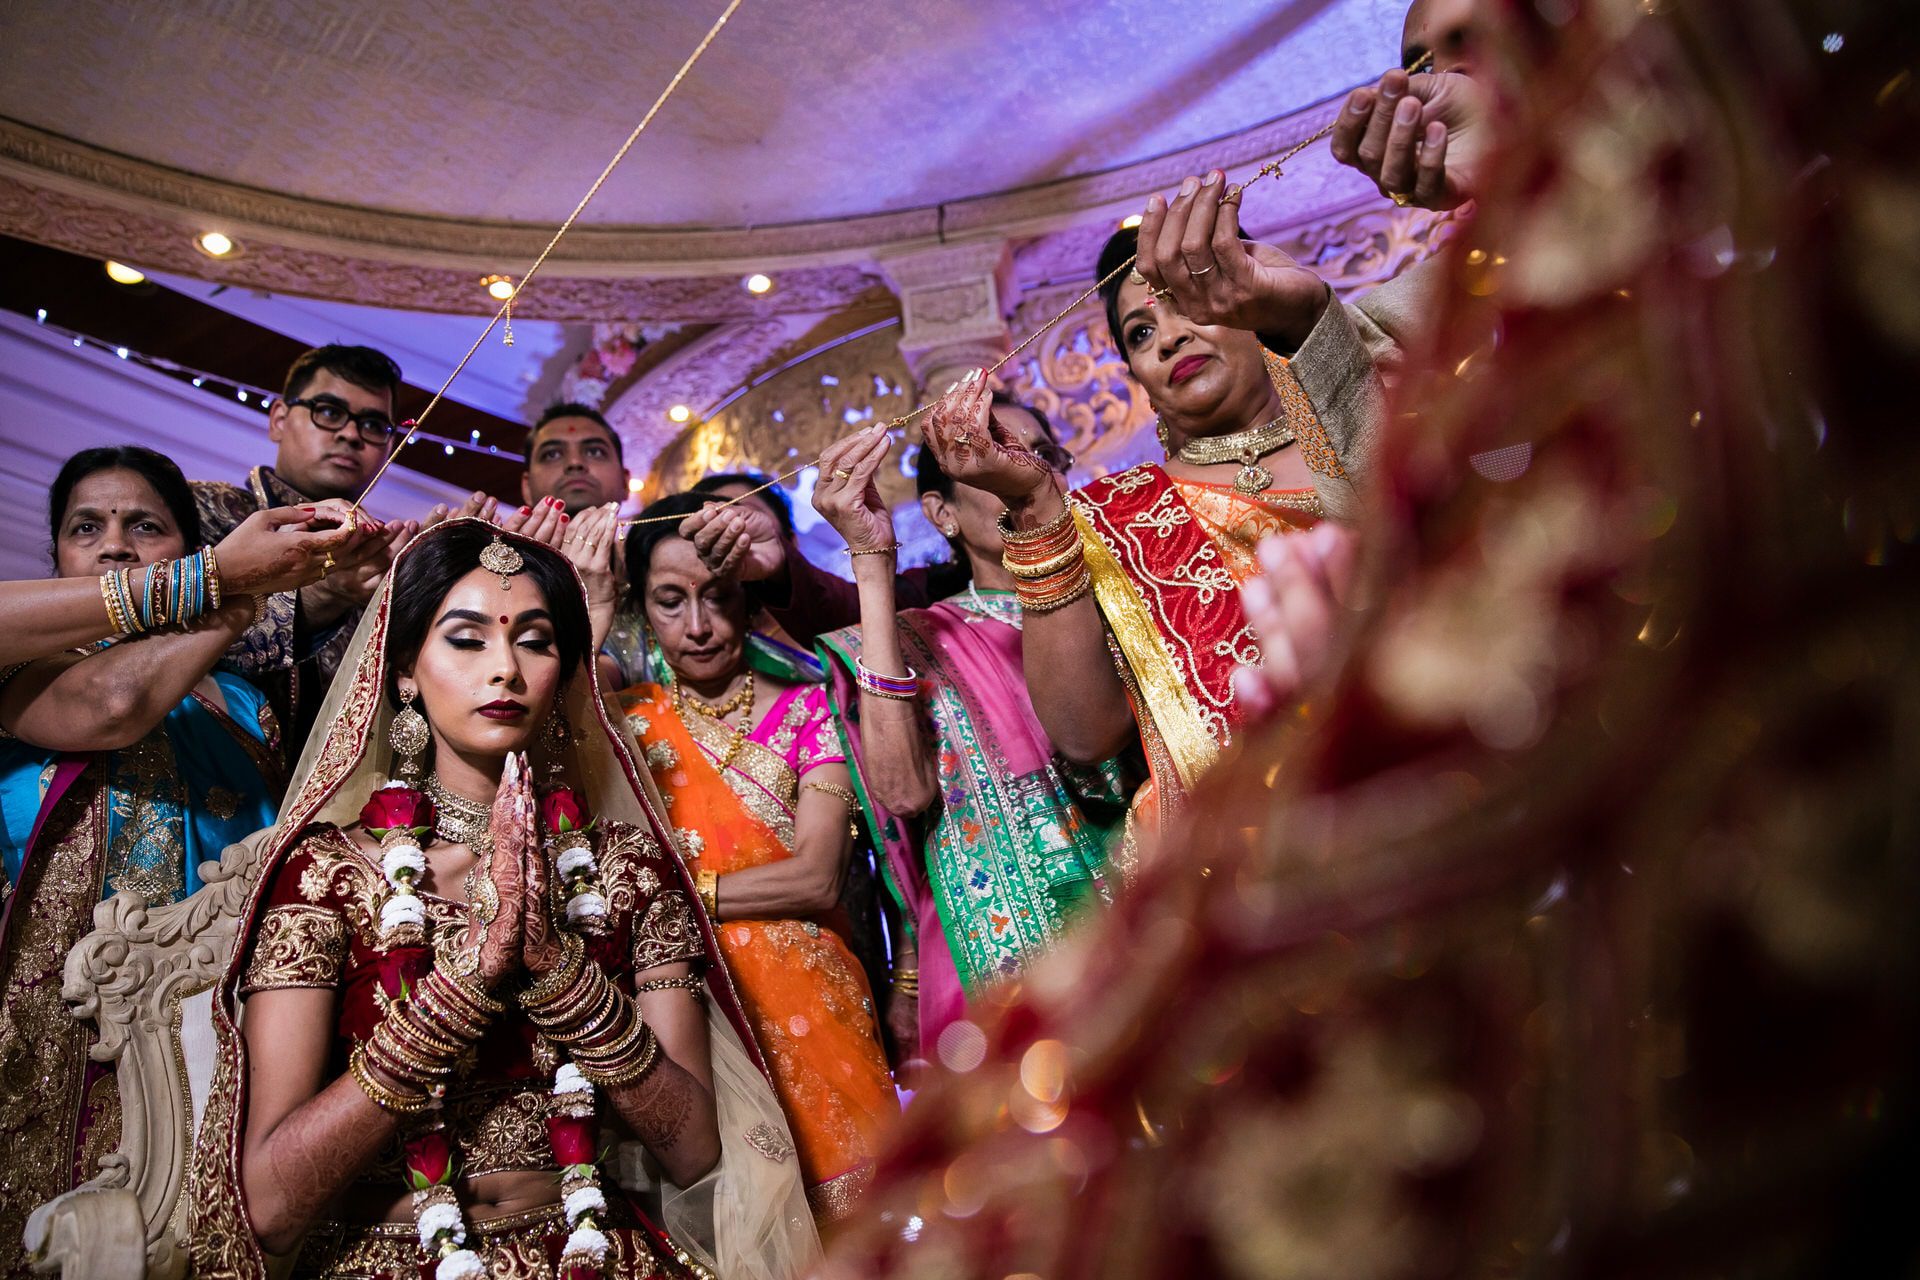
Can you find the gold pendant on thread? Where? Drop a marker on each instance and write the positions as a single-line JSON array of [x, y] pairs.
[[1253, 479]]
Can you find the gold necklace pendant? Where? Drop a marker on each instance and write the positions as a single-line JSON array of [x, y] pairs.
[[1253, 479], [1244, 447]]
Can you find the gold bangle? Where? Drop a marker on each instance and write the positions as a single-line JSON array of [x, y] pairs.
[[876, 551], [707, 886], [573, 956], [843, 794], [214, 586], [389, 1100], [1044, 568], [1048, 602], [693, 984], [1016, 538], [608, 1073]]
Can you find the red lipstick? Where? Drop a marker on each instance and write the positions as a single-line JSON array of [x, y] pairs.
[[1186, 367], [503, 710]]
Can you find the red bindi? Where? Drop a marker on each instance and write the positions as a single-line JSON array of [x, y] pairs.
[[504, 619]]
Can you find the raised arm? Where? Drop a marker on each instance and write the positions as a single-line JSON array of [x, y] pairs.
[[111, 699], [897, 751], [1070, 677], [270, 551]]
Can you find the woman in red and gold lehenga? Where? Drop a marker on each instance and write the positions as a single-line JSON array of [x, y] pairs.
[[1130, 586], [459, 991]]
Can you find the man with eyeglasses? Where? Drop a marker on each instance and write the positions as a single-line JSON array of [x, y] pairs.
[[333, 425]]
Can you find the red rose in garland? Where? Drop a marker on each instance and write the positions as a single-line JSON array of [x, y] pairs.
[[562, 810], [394, 810]]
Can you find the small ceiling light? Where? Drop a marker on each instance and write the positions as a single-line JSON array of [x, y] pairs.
[[41, 315], [635, 484], [757, 283], [1834, 42], [121, 273], [122, 352], [215, 244], [242, 395], [501, 287], [1129, 222], [680, 413]]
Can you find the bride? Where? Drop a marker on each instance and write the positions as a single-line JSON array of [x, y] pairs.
[[454, 992]]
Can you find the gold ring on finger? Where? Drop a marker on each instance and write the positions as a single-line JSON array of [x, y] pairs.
[[1401, 198], [326, 566], [1202, 271], [841, 473]]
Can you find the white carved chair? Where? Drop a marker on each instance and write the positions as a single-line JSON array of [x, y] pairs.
[[145, 977]]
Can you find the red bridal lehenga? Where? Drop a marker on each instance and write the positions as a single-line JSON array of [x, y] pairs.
[[1569, 935], [320, 916]]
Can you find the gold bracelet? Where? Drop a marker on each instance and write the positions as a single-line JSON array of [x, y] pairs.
[[707, 886], [608, 1072], [843, 794], [693, 984], [1016, 538], [573, 955], [214, 585], [876, 551], [115, 616], [389, 1100], [1038, 602]]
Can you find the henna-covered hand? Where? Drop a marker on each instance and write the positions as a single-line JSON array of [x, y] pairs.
[[974, 448], [496, 888], [540, 939]]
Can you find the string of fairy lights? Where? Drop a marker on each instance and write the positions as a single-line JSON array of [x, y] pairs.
[[223, 387]]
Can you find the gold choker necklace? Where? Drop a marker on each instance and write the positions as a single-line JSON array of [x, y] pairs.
[[1245, 447], [459, 820]]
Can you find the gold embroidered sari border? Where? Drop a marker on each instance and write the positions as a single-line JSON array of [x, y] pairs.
[[1164, 695]]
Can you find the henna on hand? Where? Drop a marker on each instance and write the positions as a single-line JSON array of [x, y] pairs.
[[501, 875], [540, 942]]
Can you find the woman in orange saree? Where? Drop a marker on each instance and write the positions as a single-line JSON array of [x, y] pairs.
[[756, 783]]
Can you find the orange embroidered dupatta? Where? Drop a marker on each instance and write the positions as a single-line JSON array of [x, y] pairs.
[[804, 993]]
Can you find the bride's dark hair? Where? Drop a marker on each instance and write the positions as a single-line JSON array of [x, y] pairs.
[[443, 556]]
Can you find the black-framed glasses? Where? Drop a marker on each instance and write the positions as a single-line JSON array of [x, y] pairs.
[[332, 415]]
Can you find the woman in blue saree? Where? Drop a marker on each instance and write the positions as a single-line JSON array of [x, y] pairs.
[[123, 767]]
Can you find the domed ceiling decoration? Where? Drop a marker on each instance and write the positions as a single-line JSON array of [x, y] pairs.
[[393, 152]]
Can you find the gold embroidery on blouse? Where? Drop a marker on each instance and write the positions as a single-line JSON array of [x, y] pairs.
[[667, 933], [297, 946]]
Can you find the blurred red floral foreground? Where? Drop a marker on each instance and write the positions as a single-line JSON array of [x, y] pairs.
[[1570, 937]]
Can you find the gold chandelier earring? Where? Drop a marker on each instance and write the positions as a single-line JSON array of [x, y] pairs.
[[559, 737], [1165, 436], [409, 736]]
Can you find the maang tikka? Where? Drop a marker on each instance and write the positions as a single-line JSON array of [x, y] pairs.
[[409, 735], [498, 557]]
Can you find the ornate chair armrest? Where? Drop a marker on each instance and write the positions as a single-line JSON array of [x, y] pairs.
[[88, 1232]]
